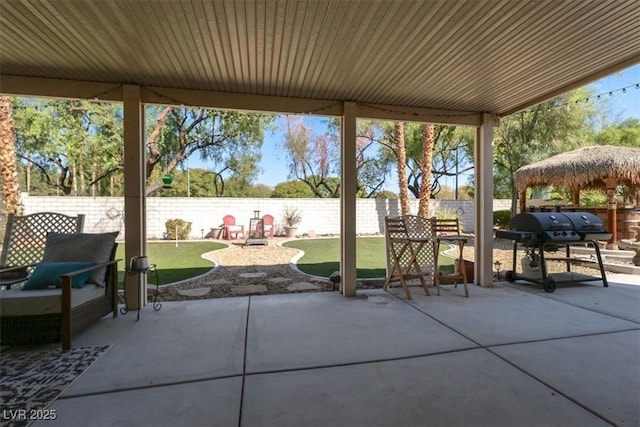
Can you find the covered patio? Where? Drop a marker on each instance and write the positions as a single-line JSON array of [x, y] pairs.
[[456, 62], [510, 355], [507, 355]]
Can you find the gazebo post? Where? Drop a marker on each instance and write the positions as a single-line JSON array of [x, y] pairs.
[[575, 196], [612, 212], [523, 200]]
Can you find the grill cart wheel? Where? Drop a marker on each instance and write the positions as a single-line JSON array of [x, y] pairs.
[[549, 285], [510, 276]]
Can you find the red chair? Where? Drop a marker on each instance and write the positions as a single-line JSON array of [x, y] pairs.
[[267, 224], [230, 227]]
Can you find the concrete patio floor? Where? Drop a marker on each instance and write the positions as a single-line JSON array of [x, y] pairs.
[[511, 355]]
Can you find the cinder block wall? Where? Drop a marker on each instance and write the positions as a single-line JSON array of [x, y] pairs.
[[319, 216]]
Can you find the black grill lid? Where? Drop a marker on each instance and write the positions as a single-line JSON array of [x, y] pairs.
[[565, 226], [588, 226], [537, 222], [584, 221]]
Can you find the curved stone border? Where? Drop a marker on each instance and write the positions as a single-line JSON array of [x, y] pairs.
[[449, 253], [208, 257], [294, 263]]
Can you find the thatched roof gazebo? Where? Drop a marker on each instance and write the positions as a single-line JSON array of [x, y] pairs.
[[595, 167]]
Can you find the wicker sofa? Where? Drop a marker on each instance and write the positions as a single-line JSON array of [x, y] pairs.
[[56, 312]]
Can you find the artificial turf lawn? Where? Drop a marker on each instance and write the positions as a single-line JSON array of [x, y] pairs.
[[322, 257], [173, 263]]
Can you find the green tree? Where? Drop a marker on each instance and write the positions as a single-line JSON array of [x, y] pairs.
[[77, 146], [261, 191], [74, 145], [445, 193], [315, 159], [374, 158], [238, 186], [312, 159], [292, 189], [546, 129], [386, 194], [194, 182], [626, 134], [465, 192], [228, 141], [34, 183]]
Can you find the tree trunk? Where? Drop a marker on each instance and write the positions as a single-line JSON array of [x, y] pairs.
[[94, 175], [425, 164], [28, 177], [82, 184], [402, 169], [514, 197], [11, 198]]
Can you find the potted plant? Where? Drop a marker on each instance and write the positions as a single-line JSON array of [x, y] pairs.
[[292, 218]]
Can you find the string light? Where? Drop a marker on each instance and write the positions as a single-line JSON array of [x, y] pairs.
[[413, 114], [173, 101], [589, 98]]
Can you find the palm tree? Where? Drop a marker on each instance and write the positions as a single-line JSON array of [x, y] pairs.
[[428, 133], [11, 199], [401, 152]]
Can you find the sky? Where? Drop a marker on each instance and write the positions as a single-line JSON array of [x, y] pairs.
[[621, 106], [624, 105]]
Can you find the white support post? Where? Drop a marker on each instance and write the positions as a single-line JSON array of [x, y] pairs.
[[484, 201], [348, 183], [135, 221]]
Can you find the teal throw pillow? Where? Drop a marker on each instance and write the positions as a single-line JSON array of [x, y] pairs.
[[47, 275], [88, 247]]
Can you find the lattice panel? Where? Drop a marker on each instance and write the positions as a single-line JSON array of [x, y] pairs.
[[399, 230], [28, 234]]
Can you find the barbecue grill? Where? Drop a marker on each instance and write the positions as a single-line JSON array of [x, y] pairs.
[[540, 232]]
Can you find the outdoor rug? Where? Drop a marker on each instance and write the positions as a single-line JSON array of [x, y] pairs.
[[31, 381]]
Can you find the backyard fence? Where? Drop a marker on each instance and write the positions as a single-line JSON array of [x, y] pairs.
[[319, 216]]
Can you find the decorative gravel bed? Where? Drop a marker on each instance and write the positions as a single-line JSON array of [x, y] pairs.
[[261, 270], [239, 266]]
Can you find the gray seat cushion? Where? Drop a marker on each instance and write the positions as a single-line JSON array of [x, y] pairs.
[[89, 247], [16, 302]]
